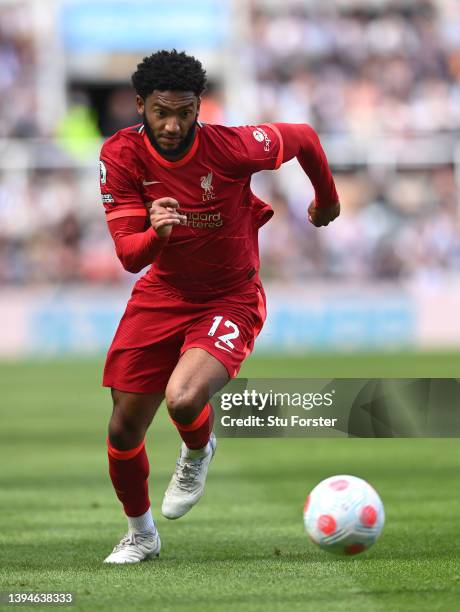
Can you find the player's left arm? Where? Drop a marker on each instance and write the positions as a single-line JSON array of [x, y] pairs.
[[301, 141], [249, 149]]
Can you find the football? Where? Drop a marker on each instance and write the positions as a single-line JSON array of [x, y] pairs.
[[344, 515]]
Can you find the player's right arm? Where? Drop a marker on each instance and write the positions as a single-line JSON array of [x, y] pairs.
[[139, 230]]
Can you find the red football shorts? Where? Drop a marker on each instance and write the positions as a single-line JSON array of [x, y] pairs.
[[159, 325]]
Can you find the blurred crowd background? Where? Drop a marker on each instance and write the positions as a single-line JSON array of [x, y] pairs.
[[379, 81]]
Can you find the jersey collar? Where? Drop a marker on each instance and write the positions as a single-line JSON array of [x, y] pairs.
[[173, 164]]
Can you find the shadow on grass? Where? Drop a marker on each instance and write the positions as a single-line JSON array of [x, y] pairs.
[[81, 554]]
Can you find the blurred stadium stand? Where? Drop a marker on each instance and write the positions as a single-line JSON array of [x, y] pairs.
[[379, 80]]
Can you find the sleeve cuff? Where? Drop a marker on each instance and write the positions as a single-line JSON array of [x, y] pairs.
[[126, 212]]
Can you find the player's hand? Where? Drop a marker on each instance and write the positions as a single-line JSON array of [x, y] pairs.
[[164, 214], [322, 216]]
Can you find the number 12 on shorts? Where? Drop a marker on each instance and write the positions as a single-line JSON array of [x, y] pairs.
[[226, 339]]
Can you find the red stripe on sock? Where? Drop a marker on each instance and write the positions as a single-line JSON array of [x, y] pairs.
[[124, 454], [196, 423], [196, 434]]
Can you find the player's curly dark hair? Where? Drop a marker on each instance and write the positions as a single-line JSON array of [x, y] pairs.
[[169, 71]]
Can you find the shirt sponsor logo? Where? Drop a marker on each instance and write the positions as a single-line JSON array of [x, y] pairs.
[[103, 172], [208, 189], [107, 198], [203, 220], [261, 136]]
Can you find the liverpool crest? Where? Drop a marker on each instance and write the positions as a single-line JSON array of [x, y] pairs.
[[208, 189]]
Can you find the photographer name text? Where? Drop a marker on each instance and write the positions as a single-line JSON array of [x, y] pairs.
[[276, 421]]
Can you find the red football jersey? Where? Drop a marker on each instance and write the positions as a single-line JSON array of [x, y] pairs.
[[215, 252]]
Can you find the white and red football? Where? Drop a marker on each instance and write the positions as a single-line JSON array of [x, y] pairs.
[[344, 515]]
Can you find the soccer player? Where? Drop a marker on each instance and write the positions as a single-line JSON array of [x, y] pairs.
[[177, 197]]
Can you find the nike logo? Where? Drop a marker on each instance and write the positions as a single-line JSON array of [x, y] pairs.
[[150, 182], [219, 345]]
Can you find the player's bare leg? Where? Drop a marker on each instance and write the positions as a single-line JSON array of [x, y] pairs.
[[129, 471], [197, 376], [132, 415]]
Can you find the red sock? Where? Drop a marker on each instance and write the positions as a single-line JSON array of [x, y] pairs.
[[129, 471], [196, 434]]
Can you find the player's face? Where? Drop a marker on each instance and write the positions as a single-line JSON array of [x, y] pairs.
[[171, 118]]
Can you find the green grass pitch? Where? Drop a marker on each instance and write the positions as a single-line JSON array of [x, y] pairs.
[[243, 547]]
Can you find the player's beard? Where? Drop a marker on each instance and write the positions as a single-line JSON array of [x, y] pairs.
[[181, 148]]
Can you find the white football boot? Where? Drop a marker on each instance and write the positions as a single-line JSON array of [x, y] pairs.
[[187, 483], [135, 547]]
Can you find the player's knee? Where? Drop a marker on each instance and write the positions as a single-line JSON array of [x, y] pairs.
[[182, 403], [125, 432]]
